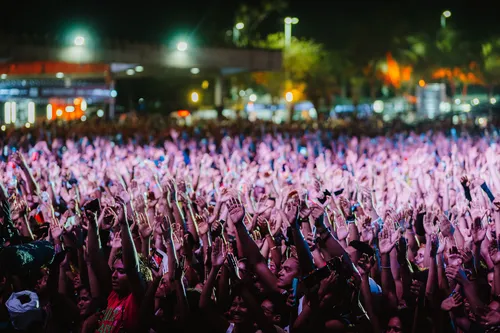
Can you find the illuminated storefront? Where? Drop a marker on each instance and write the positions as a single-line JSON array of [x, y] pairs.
[[48, 91]]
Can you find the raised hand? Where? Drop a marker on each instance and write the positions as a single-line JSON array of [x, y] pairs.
[[367, 230], [55, 229], [456, 273], [429, 226], [218, 253], [264, 227], [441, 244], [434, 244], [365, 264], [236, 210], [493, 252], [292, 212], [116, 242], [145, 229], [342, 229], [453, 302], [445, 226], [386, 240], [202, 223], [478, 231], [216, 229]]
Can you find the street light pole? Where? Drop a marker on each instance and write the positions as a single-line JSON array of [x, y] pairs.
[[236, 32], [446, 14], [288, 30]]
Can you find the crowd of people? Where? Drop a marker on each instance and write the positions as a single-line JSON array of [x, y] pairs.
[[271, 232]]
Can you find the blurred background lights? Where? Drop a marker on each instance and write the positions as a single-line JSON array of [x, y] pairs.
[[100, 113], [130, 71], [139, 69], [79, 41], [182, 46], [59, 112], [493, 100], [289, 97], [252, 98], [475, 101], [3, 76], [240, 25], [195, 71], [83, 118], [60, 75], [378, 106], [195, 97], [113, 93]]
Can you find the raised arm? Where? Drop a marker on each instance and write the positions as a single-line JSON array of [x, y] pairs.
[[130, 258]]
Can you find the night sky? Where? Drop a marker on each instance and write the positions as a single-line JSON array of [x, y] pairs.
[[331, 22]]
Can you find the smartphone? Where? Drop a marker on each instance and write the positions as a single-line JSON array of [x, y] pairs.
[[93, 206], [295, 286], [156, 260]]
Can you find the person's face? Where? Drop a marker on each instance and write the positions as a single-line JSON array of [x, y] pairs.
[[72, 204], [119, 279], [76, 281], [268, 308], [288, 272], [491, 276], [394, 325], [242, 269], [419, 259], [163, 288], [272, 267], [238, 310], [84, 300]]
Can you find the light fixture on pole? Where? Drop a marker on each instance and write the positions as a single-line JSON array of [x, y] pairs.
[[445, 15], [288, 29], [236, 32]]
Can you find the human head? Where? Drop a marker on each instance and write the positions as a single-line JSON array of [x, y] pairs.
[[395, 325], [238, 310], [419, 258], [288, 272], [84, 301]]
